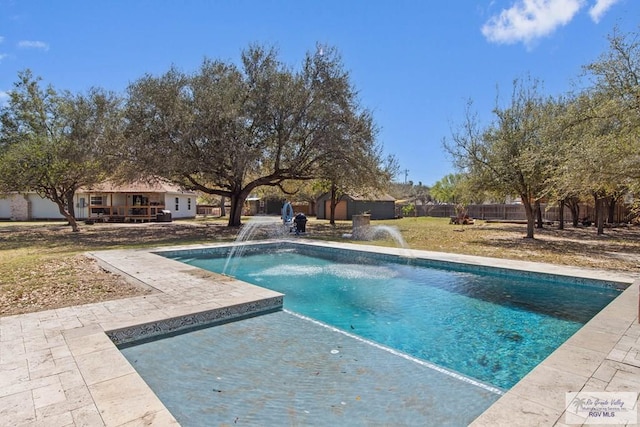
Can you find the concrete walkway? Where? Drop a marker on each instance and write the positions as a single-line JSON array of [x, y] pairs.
[[60, 368]]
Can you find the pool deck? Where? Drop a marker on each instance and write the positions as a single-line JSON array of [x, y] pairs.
[[60, 368]]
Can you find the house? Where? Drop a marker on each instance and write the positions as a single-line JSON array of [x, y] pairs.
[[381, 206], [108, 202]]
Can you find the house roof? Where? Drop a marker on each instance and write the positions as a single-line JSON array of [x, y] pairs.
[[156, 186]]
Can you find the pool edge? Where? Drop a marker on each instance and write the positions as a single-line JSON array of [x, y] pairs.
[[577, 365], [591, 360], [549, 381], [68, 349]]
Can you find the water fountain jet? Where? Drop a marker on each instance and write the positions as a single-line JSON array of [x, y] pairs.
[[270, 225]]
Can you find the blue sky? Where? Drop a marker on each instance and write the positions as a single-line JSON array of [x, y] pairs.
[[415, 63]]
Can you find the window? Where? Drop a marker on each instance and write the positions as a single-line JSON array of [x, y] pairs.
[[95, 200], [177, 204], [140, 200]]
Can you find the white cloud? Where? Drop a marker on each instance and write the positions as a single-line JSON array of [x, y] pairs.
[[528, 20], [2, 56], [599, 9], [32, 44]]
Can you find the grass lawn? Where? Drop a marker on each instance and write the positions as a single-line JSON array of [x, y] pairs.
[[42, 264]]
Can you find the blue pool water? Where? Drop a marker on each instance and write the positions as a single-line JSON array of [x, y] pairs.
[[494, 327], [277, 369]]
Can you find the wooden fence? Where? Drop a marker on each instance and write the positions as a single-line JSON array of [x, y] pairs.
[[513, 212]]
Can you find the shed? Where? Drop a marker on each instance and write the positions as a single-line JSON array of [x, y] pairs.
[[379, 206]]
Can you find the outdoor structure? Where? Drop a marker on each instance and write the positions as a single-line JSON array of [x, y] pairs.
[[257, 206], [108, 202], [273, 205], [377, 206]]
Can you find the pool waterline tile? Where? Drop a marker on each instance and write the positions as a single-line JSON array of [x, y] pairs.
[[458, 262], [165, 276]]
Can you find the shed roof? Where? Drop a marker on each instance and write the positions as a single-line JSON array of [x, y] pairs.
[[370, 197]]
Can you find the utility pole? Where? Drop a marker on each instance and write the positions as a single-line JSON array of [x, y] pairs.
[[406, 174]]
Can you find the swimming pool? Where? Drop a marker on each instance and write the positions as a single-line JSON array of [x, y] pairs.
[[492, 325]]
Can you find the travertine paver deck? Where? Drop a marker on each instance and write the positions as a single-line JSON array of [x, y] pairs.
[[59, 368]]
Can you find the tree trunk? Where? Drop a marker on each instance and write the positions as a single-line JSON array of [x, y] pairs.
[[531, 215], [70, 206], [62, 208], [575, 212], [223, 209], [235, 216], [600, 212], [612, 210], [561, 215], [596, 204], [538, 214], [332, 206], [62, 201], [73, 223]]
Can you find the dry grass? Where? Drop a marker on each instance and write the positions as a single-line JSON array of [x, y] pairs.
[[42, 264], [617, 249]]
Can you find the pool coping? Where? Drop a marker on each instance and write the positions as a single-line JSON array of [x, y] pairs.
[[60, 367]]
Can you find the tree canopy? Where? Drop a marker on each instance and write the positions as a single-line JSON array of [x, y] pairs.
[[51, 143], [565, 148], [227, 130], [506, 156]]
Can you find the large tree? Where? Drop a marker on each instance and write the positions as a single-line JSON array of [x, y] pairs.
[[356, 164], [455, 189], [506, 157], [51, 142], [227, 130], [567, 149], [614, 114], [587, 163], [598, 133]]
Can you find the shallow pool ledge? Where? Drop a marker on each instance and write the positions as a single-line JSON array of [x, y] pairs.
[[184, 297], [603, 356]]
